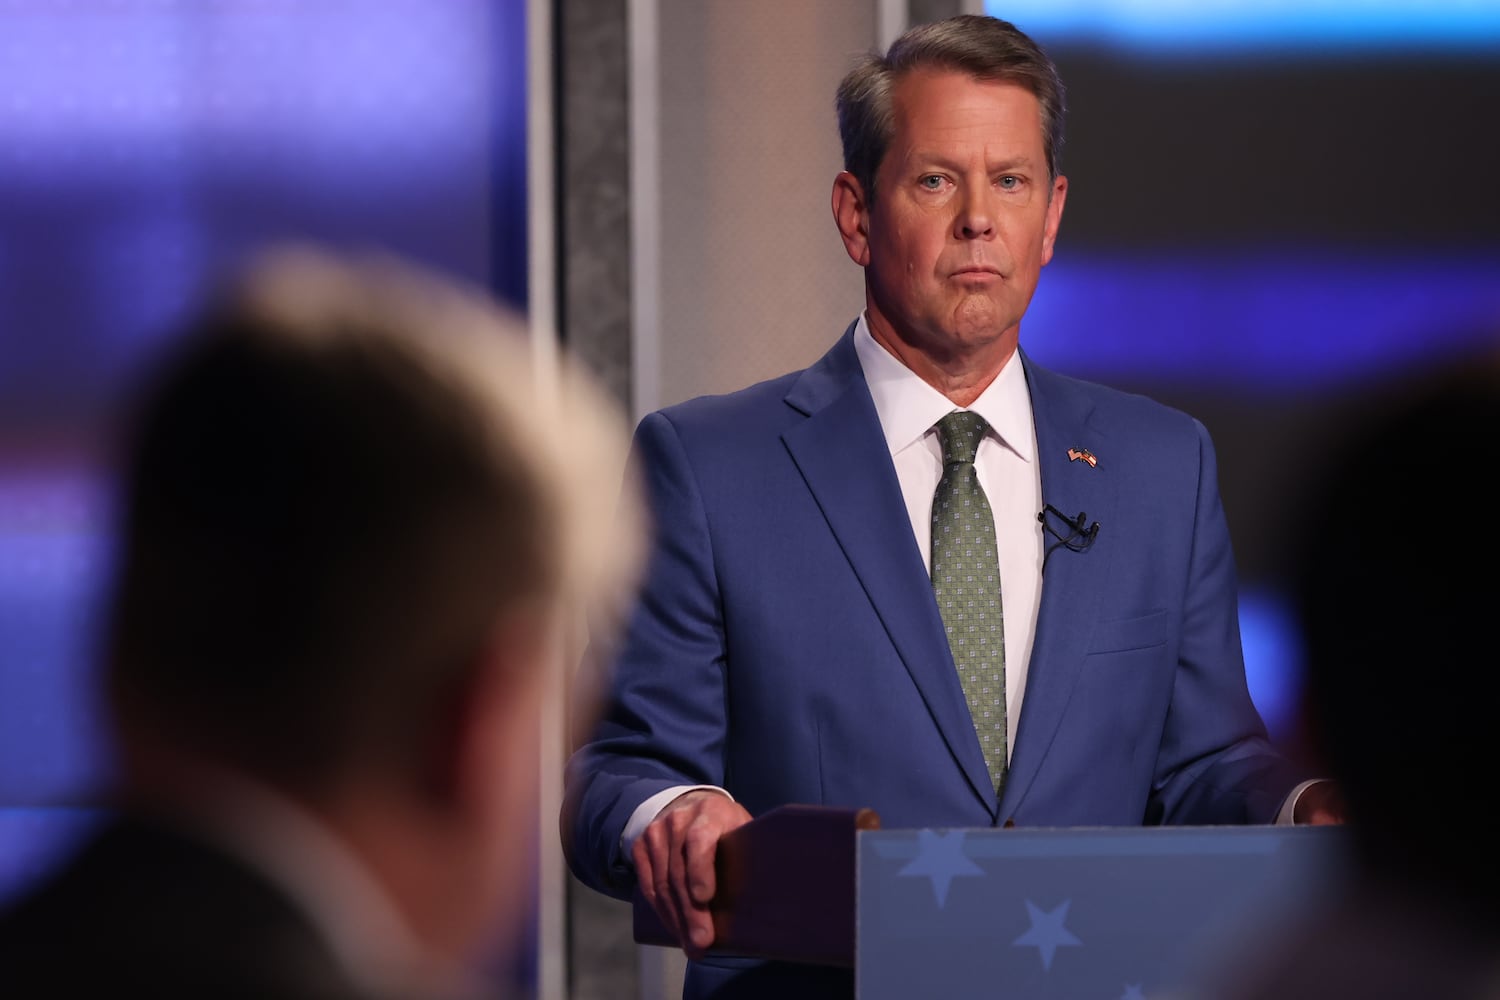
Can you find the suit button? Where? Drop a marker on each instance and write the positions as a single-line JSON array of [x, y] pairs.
[[1009, 824]]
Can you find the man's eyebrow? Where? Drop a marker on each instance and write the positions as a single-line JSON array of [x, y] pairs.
[[1021, 162], [920, 160]]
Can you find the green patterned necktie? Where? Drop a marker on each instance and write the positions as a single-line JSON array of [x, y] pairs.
[[966, 582]]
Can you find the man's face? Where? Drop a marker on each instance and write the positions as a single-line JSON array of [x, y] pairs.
[[964, 218]]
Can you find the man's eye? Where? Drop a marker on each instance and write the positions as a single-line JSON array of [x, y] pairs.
[[1009, 182], [931, 182]]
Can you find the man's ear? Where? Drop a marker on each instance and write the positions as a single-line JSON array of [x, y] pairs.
[[1057, 198], [488, 741], [852, 215]]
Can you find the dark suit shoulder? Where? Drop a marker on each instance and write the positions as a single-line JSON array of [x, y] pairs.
[[140, 909], [771, 404], [730, 409]]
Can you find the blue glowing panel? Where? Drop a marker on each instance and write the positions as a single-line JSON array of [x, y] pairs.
[[52, 560], [1273, 659], [1259, 321], [1310, 25], [146, 145]]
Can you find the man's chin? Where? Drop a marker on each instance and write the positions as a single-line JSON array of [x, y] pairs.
[[978, 326]]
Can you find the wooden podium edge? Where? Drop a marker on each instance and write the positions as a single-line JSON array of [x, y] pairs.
[[786, 888]]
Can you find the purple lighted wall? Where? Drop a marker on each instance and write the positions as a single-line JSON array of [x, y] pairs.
[[146, 145]]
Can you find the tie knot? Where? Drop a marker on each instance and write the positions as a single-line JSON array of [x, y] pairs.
[[960, 432]]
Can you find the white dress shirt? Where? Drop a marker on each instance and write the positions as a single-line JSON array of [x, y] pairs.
[[909, 410]]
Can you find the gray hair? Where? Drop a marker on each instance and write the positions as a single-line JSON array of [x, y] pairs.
[[986, 48]]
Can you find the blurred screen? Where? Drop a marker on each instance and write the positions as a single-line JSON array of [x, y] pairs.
[[148, 144], [1321, 27]]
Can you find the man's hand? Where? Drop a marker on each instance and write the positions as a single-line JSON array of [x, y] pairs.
[[1320, 804], [674, 863]]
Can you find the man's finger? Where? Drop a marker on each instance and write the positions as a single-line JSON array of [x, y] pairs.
[[696, 925], [654, 877], [701, 843]]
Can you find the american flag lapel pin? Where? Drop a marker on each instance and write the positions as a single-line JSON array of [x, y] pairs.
[[1082, 455]]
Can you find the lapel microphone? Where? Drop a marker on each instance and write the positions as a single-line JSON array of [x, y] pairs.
[[1080, 534]]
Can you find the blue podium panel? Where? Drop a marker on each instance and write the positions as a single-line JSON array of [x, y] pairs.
[[1075, 914]]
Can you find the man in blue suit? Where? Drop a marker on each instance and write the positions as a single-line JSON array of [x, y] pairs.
[[790, 647]]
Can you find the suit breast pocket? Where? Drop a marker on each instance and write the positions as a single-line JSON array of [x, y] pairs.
[[1124, 690], [1122, 635]]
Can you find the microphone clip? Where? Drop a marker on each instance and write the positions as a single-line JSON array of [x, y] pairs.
[[1079, 536]]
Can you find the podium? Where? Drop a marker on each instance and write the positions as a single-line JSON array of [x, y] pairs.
[[1134, 912], [786, 888]]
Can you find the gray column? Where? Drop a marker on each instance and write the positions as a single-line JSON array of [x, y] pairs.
[[594, 320]]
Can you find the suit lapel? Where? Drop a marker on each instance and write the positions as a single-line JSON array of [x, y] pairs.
[[1072, 581], [842, 455]]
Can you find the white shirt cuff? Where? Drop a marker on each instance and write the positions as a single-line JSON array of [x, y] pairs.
[[648, 810], [1289, 807]]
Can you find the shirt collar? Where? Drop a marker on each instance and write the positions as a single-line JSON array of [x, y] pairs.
[[908, 407]]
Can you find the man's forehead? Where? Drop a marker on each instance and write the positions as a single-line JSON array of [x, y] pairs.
[[934, 109], [916, 95]]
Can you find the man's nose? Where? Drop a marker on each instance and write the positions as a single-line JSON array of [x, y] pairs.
[[976, 216]]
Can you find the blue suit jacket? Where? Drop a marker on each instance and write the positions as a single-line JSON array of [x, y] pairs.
[[788, 646]]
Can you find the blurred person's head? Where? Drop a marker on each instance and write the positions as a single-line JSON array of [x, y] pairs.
[[1396, 587], [356, 528], [984, 48]]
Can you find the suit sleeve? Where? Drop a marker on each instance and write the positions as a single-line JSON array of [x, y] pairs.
[[664, 716], [1216, 764]]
